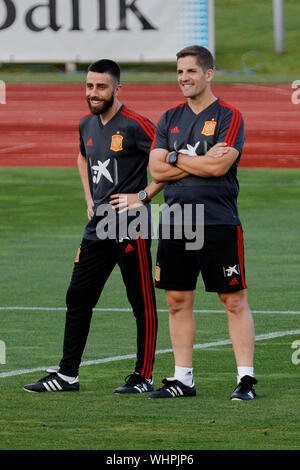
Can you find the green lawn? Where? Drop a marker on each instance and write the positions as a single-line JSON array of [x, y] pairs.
[[245, 36], [42, 218]]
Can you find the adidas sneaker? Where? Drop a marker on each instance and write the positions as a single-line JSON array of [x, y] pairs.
[[53, 383], [245, 389], [174, 389], [135, 383]]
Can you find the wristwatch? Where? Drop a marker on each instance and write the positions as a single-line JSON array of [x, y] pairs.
[[172, 158], [143, 196]]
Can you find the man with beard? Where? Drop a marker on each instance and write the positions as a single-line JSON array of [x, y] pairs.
[[113, 159]]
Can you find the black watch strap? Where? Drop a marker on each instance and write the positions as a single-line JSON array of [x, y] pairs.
[[143, 196]]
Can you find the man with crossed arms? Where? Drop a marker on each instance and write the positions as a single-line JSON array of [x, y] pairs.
[[196, 152]]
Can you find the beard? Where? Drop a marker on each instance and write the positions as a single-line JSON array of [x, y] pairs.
[[102, 107]]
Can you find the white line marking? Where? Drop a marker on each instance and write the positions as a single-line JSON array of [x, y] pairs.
[[17, 147], [108, 309], [265, 336], [274, 89]]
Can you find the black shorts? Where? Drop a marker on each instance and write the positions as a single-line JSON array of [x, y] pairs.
[[220, 261]]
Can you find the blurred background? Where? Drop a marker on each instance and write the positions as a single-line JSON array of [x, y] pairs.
[[242, 38]]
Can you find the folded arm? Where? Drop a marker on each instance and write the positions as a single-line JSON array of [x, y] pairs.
[[161, 170], [216, 162]]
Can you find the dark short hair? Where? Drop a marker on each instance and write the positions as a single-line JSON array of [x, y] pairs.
[[203, 56], [106, 66]]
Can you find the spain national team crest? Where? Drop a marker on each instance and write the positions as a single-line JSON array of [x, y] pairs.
[[209, 128], [116, 143]]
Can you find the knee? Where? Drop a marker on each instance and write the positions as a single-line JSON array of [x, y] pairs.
[[74, 296], [234, 303], [78, 298], [179, 302]]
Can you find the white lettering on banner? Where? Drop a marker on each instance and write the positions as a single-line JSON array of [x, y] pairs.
[[128, 30], [51, 7]]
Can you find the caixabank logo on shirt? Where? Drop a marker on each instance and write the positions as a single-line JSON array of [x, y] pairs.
[[231, 272], [100, 169]]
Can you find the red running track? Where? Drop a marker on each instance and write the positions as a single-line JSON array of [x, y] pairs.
[[39, 123]]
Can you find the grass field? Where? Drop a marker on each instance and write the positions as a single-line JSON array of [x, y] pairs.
[[42, 218]]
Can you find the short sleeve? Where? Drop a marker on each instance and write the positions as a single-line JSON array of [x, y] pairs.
[[144, 135], [232, 129], [81, 144], [161, 136]]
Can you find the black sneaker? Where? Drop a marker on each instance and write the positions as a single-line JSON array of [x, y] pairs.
[[53, 383], [174, 389], [135, 383], [245, 389]]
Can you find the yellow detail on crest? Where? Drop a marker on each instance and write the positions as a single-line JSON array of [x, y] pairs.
[[209, 128], [116, 143], [78, 255]]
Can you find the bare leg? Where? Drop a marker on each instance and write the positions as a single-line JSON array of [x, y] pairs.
[[240, 325], [182, 326]]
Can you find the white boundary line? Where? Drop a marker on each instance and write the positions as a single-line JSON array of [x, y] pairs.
[[266, 336], [108, 309], [13, 148]]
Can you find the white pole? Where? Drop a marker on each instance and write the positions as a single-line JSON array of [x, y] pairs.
[[278, 18], [211, 26], [2, 353]]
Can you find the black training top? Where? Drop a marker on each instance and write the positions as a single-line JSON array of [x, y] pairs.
[[193, 134], [117, 156]]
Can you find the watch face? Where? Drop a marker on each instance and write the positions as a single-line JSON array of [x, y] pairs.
[[172, 158], [142, 195]]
